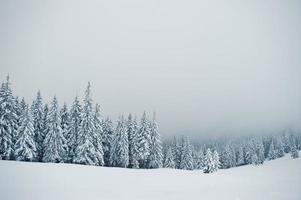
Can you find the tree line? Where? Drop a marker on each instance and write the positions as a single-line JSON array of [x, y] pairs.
[[49, 133]]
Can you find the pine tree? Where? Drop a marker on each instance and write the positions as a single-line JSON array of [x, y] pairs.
[[155, 146], [176, 151], [39, 133], [107, 139], [240, 157], [8, 122], [249, 151], [215, 160], [44, 130], [272, 152], [120, 146], [88, 152], [64, 119], [23, 104], [186, 155], [25, 147], [199, 160], [169, 159], [294, 151], [73, 129], [97, 140], [227, 157], [255, 159], [209, 165], [64, 115], [54, 143], [260, 151], [19, 112], [279, 147], [286, 142], [132, 132], [142, 141]]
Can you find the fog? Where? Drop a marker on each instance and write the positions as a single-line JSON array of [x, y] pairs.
[[205, 67]]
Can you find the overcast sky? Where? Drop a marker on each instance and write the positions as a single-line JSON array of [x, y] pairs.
[[204, 66]]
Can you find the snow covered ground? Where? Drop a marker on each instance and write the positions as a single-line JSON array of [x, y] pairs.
[[278, 179]]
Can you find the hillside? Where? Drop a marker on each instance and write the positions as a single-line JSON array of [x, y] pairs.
[[278, 179]]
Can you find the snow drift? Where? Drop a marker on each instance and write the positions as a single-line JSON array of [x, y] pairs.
[[277, 179]]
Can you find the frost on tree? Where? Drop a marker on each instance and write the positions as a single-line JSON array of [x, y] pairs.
[[44, 128], [132, 132], [216, 162], [88, 150], [279, 147], [294, 151], [39, 133], [176, 151], [54, 143], [25, 147], [107, 139], [198, 159], [120, 146], [64, 119], [272, 152], [211, 161], [19, 112], [186, 155], [97, 140], [258, 154], [73, 129], [169, 159], [8, 122], [286, 140], [142, 141], [155, 146], [228, 157], [240, 156]]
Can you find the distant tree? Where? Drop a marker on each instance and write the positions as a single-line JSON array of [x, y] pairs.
[[227, 157], [169, 159], [186, 155], [216, 162], [155, 146], [240, 156], [64, 119], [259, 152], [132, 132], [143, 135], [120, 146], [23, 105], [87, 151], [272, 152], [25, 147], [209, 165], [255, 159], [294, 151], [54, 143], [107, 139], [19, 112], [72, 134], [97, 140], [248, 152], [198, 160], [39, 132], [279, 147], [8, 122], [44, 130], [176, 151], [285, 141]]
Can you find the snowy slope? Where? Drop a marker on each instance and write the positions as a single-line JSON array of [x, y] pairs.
[[278, 179]]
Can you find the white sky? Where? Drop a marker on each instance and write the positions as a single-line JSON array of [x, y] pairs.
[[203, 66]]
